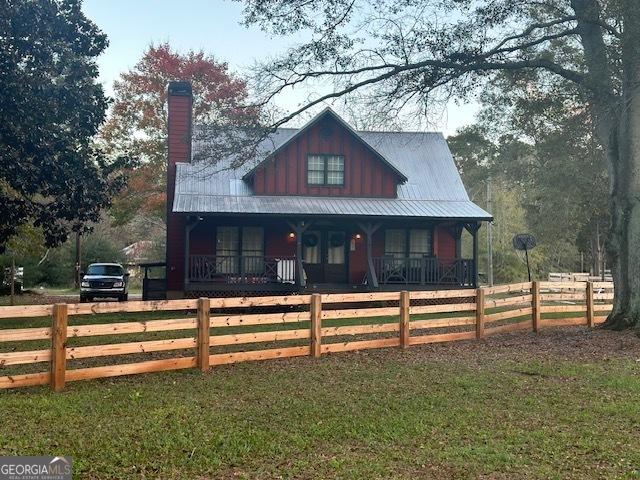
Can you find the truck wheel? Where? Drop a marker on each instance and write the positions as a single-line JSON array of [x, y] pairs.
[[123, 298]]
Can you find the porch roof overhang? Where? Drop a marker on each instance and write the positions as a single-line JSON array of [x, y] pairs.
[[275, 205]]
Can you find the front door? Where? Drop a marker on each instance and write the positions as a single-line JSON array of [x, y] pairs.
[[325, 256]]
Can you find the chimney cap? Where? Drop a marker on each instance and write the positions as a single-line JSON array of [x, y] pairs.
[[180, 88]]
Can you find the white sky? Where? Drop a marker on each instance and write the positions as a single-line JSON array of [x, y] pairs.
[[211, 25]]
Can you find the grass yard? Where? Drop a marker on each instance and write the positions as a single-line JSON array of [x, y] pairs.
[[562, 404]]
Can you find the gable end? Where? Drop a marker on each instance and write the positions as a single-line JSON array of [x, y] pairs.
[[366, 172]]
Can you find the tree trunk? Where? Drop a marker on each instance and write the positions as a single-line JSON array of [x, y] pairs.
[[624, 155], [624, 244]]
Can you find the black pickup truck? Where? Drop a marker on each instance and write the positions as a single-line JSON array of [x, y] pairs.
[[104, 280]]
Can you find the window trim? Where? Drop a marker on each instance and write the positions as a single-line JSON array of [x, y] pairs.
[[325, 160]]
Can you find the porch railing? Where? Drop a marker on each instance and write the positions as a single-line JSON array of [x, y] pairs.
[[425, 271], [241, 269]]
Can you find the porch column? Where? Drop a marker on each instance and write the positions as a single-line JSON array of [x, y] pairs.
[[457, 235], [299, 228], [369, 229], [473, 228], [189, 225]]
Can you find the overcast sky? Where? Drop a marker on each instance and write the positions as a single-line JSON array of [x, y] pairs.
[[211, 25]]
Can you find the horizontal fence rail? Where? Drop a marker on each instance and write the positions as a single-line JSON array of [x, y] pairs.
[[216, 331]]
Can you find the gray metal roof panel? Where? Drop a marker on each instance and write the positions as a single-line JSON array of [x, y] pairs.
[[433, 189], [329, 206]]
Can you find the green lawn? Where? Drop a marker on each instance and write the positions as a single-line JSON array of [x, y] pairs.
[[563, 404]]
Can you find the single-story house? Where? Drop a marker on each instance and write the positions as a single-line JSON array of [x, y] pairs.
[[324, 208]]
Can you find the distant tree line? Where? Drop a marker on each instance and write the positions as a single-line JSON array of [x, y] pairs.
[[534, 140]]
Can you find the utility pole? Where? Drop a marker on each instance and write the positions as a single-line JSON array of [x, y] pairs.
[[13, 280], [77, 278], [489, 236]]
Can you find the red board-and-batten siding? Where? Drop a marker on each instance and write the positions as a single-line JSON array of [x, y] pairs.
[[179, 146], [365, 175]]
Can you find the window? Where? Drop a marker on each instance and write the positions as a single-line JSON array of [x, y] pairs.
[[418, 245], [233, 242], [325, 170], [315, 170], [108, 270], [335, 248], [395, 243], [253, 249], [311, 243], [227, 242]]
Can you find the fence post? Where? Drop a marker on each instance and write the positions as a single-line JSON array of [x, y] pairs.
[[535, 304], [59, 346], [590, 313], [316, 324], [405, 302], [480, 313], [203, 342]]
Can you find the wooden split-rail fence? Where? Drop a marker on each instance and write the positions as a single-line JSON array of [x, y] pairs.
[[221, 330]]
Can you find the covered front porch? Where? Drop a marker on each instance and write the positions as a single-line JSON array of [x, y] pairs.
[[209, 270], [275, 254]]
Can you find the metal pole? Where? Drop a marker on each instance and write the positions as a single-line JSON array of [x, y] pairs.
[[13, 280], [78, 277], [526, 254], [489, 236]]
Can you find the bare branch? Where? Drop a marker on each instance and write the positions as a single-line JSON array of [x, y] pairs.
[[530, 29], [457, 68]]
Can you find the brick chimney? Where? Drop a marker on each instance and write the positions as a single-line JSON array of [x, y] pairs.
[[180, 103]]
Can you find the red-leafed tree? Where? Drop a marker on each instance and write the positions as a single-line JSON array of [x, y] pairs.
[[138, 121]]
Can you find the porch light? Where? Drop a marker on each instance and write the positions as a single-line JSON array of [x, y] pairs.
[[358, 236], [292, 235]]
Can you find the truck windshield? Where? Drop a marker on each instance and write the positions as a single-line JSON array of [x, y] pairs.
[[112, 270]]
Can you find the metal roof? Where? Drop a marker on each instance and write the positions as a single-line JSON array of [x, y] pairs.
[[329, 112], [433, 188], [327, 206]]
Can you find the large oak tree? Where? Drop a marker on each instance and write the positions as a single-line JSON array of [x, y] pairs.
[[399, 55], [51, 175]]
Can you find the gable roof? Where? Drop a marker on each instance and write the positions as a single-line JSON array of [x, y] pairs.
[[328, 112], [433, 188]]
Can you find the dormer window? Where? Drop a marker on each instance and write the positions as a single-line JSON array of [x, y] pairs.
[[325, 170]]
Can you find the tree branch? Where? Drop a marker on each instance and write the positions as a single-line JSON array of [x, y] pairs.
[[459, 70], [530, 29]]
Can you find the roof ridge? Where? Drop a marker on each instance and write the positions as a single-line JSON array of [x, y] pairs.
[[429, 132], [335, 197]]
